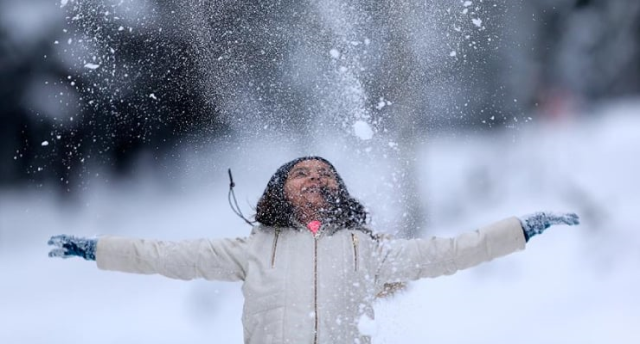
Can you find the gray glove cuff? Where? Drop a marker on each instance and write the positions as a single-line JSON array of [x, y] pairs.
[[537, 223], [66, 246]]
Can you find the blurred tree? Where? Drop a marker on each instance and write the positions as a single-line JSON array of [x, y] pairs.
[[582, 51], [100, 99]]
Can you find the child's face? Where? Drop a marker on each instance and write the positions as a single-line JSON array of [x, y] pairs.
[[307, 183]]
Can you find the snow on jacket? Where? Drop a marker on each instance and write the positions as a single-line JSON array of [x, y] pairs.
[[301, 288]]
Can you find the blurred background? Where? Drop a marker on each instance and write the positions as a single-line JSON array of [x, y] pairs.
[[122, 118]]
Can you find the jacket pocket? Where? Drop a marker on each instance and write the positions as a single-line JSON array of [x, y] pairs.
[[354, 240], [274, 248]]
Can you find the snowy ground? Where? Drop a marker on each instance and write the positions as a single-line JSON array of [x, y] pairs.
[[575, 285]]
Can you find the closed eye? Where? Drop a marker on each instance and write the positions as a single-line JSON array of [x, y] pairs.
[[299, 172], [325, 173]]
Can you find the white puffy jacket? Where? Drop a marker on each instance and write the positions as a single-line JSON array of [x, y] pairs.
[[301, 288]]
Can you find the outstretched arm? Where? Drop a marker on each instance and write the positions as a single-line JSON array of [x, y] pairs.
[[404, 260], [221, 259]]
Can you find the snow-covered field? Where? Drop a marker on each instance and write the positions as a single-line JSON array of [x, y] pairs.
[[571, 285]]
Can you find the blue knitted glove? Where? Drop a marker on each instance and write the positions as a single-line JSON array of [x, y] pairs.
[[66, 246], [537, 223]]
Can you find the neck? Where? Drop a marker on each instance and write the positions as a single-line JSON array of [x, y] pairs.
[[307, 217]]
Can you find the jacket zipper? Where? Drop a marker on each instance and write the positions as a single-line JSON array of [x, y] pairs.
[[315, 287], [354, 239], [275, 247]]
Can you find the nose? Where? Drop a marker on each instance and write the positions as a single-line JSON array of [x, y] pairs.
[[314, 175]]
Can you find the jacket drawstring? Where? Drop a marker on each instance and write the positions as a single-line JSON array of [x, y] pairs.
[[231, 194]]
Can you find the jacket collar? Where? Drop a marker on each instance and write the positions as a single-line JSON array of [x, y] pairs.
[[326, 228]]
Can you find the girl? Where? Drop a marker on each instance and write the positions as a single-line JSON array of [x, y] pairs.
[[311, 269]]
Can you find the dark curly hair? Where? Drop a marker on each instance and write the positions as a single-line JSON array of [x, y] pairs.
[[274, 210]]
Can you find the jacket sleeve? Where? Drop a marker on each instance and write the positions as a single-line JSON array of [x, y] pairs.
[[221, 259], [406, 260]]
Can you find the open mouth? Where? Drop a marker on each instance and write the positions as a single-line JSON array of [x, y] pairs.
[[312, 189]]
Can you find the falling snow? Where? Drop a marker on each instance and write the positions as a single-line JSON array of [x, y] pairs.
[[269, 76], [363, 130]]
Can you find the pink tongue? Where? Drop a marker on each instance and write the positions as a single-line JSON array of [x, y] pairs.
[[314, 226]]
